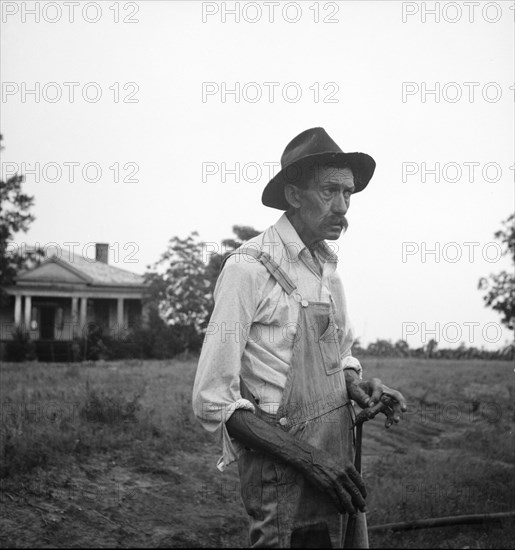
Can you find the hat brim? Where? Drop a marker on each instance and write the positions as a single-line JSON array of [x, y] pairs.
[[361, 164]]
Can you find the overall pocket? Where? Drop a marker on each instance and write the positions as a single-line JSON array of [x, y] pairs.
[[329, 343]]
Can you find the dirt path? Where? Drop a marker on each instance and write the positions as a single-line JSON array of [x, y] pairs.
[[111, 505], [179, 502]]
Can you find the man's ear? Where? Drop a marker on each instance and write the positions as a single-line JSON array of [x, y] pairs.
[[293, 195]]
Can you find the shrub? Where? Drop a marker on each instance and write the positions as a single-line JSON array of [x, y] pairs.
[[109, 408], [21, 347], [157, 340], [154, 340]]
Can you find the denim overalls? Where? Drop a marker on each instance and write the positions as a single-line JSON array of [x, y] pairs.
[[284, 508]]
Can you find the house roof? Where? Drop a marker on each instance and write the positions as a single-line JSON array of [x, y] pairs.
[[80, 270]]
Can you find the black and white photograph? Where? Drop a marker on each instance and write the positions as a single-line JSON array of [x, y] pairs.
[[257, 274]]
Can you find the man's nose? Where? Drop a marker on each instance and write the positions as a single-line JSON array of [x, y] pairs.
[[340, 205]]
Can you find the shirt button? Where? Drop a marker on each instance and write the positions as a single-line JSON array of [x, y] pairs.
[[283, 421]]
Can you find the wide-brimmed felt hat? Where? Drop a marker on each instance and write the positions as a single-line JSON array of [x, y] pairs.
[[314, 148]]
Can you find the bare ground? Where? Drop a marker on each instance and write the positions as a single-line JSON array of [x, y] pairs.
[[141, 495]]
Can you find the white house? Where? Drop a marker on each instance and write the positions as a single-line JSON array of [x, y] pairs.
[[58, 298]]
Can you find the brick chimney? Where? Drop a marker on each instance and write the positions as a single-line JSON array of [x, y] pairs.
[[102, 252]]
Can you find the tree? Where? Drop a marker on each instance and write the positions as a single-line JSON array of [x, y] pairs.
[[14, 217], [381, 348], [182, 282], [500, 287], [431, 348], [402, 348], [357, 348], [179, 285], [243, 233]]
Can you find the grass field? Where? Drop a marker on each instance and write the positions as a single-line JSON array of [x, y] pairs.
[[109, 454]]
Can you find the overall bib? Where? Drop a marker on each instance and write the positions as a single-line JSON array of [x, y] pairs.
[[285, 510]]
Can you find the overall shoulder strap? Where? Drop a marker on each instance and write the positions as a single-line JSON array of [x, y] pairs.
[[271, 265]]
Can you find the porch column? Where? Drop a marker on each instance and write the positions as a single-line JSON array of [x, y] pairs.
[[83, 312], [75, 315], [28, 311], [119, 314], [17, 310], [145, 314]]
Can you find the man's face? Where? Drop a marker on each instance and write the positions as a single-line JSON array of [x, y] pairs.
[[324, 203]]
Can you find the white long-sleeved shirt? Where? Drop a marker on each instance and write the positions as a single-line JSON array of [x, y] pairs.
[[254, 324]]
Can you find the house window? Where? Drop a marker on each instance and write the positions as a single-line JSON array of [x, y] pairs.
[[59, 318], [133, 313], [102, 313]]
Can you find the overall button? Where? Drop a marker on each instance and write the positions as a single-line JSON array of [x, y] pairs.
[[283, 421], [304, 303]]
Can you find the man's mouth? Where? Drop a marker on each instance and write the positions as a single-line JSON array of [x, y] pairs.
[[341, 224]]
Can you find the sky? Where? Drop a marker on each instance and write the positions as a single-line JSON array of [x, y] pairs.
[[135, 122]]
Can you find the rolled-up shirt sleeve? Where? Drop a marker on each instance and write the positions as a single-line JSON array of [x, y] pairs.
[[216, 390], [349, 361]]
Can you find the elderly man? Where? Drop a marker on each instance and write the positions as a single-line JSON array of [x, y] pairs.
[[276, 377]]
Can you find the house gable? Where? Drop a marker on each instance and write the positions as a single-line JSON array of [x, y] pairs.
[[53, 271]]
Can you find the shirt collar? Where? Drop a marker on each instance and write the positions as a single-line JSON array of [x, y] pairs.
[[294, 244]]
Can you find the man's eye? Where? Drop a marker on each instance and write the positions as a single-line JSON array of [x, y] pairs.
[[330, 192]]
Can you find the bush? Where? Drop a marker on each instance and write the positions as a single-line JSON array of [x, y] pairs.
[[157, 340], [154, 340], [109, 408], [99, 345], [20, 348], [20, 456], [96, 344]]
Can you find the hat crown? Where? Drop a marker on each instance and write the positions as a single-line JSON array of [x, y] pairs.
[[310, 148], [314, 141]]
